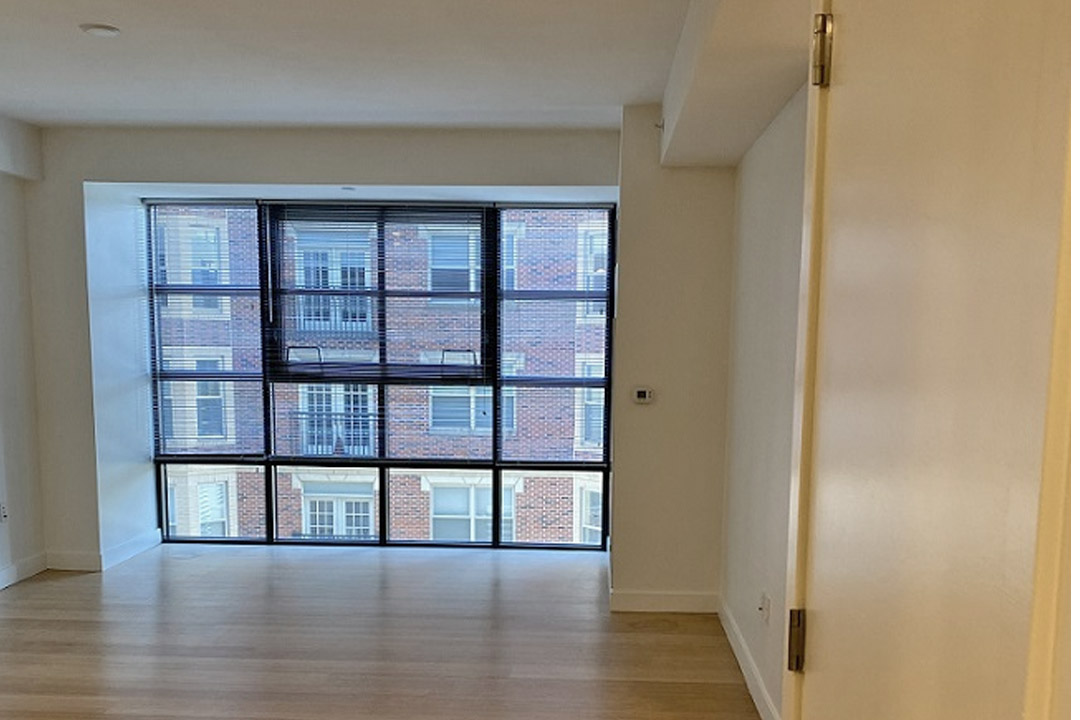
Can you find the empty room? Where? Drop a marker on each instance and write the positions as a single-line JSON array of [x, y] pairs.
[[659, 359]]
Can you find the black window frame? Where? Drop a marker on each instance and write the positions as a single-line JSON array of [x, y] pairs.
[[487, 373]]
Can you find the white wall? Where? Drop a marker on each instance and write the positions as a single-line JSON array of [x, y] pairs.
[[93, 451], [119, 339], [768, 239], [22, 538], [20, 149], [671, 333]]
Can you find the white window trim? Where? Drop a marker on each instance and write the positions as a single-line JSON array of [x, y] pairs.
[[582, 361], [474, 264], [516, 231], [585, 230], [431, 480], [223, 517], [582, 485], [338, 509]]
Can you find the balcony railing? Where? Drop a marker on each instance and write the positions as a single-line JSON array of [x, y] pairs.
[[334, 433], [333, 313]]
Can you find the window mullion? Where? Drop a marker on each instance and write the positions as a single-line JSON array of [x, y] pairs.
[[379, 300]]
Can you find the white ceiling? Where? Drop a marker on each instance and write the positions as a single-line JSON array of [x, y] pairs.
[[723, 68], [737, 64], [538, 63]]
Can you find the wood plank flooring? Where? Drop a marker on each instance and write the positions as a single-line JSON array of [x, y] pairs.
[[285, 633]]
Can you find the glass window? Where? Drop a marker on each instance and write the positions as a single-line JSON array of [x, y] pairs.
[[590, 416], [591, 516], [327, 504], [464, 513], [380, 342], [452, 269], [205, 263], [592, 268], [508, 256], [209, 402], [320, 517], [213, 509]]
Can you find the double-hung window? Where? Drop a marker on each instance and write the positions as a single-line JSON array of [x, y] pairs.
[[213, 509], [589, 413], [206, 264], [463, 513], [591, 503], [209, 402], [592, 269], [453, 266]]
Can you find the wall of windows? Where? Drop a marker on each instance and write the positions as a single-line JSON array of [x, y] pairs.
[[382, 374]]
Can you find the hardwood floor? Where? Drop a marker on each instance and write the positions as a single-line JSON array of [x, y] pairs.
[[213, 632]]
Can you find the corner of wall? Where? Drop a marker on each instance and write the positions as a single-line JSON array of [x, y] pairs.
[[766, 705], [22, 569], [130, 548], [20, 149]]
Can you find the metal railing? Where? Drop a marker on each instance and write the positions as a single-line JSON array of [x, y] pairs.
[[336, 433]]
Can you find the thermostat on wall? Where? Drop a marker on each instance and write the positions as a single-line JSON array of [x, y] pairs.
[[643, 395]]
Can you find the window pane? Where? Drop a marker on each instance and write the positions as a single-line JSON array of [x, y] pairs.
[[332, 321], [227, 329], [440, 505], [450, 529], [450, 501], [436, 251], [322, 261], [549, 336], [558, 248], [438, 422], [552, 507], [433, 331], [202, 416], [450, 249], [557, 424], [215, 501], [206, 245], [321, 419], [451, 409], [334, 253], [327, 504]]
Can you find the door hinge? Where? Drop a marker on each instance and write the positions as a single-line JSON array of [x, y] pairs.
[[821, 60], [796, 654]]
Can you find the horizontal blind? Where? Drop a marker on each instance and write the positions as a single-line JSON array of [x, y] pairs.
[[393, 294]]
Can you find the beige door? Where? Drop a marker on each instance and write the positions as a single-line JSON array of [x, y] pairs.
[[936, 210]]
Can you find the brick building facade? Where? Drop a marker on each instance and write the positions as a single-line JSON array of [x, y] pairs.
[[210, 367]]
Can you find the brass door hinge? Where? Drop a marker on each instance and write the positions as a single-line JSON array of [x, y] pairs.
[[796, 655], [821, 60]]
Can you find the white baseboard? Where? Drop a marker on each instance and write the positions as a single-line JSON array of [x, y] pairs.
[[762, 700], [130, 548], [21, 569], [73, 560], [653, 601]]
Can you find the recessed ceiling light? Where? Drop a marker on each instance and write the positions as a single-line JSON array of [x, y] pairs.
[[348, 188], [100, 30]]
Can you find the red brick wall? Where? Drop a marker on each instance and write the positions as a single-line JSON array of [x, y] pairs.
[[549, 335]]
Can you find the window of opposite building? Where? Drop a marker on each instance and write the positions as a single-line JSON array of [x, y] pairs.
[[382, 373]]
